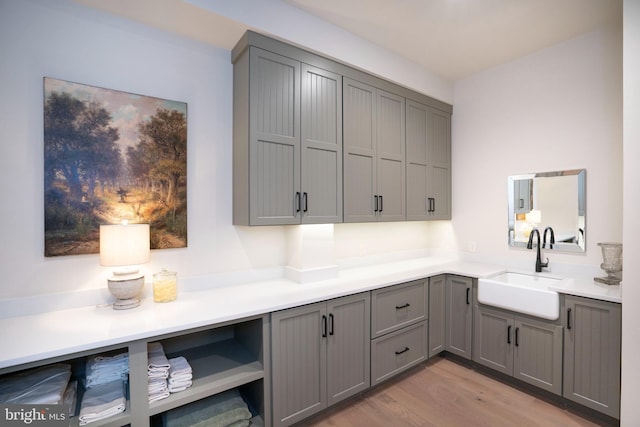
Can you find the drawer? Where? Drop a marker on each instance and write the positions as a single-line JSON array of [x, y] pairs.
[[397, 306], [398, 351]]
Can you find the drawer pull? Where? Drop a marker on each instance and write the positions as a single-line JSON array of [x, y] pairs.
[[398, 353], [400, 307]]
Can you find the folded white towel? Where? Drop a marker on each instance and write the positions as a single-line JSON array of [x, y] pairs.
[[176, 387], [156, 356], [180, 379], [158, 373], [159, 396], [101, 369], [179, 366], [102, 401]]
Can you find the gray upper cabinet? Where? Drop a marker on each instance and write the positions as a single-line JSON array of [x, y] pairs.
[[316, 141], [527, 349], [321, 355], [459, 312], [428, 142], [374, 153], [288, 167], [592, 342]]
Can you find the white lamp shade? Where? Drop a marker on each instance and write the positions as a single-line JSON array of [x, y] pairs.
[[122, 245]]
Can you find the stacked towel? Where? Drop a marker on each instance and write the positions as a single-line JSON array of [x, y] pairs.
[[40, 386], [222, 410], [102, 401], [158, 372], [105, 369], [180, 374]]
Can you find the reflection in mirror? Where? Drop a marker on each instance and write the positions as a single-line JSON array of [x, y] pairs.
[[549, 199]]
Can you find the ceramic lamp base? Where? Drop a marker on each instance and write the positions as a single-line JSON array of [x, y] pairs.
[[126, 291]]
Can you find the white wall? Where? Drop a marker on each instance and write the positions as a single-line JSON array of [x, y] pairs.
[[631, 289], [559, 108], [57, 38]]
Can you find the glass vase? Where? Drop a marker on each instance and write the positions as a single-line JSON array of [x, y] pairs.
[[612, 263]]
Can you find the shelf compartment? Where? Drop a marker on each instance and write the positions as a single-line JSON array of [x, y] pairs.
[[217, 367]]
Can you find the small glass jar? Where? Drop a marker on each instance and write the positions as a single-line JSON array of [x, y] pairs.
[[165, 286]]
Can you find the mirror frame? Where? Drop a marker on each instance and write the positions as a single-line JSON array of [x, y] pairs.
[[579, 246]]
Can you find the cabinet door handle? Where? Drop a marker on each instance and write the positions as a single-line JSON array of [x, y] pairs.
[[509, 334], [324, 326], [331, 324], [521, 204], [404, 350], [400, 307], [297, 201], [517, 340], [305, 199], [568, 318], [468, 291], [375, 204], [380, 203], [433, 204]]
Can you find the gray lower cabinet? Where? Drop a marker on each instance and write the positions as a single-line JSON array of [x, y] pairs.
[[459, 315], [320, 355], [374, 153], [398, 328], [428, 145], [592, 342], [437, 314], [527, 349]]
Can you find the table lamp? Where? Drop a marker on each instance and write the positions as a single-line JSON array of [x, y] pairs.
[[125, 246]]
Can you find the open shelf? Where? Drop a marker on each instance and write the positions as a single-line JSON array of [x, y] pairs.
[[217, 367]]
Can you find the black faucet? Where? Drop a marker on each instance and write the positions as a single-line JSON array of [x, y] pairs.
[[552, 240], [539, 263]]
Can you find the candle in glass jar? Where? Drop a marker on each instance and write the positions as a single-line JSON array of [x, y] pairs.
[[165, 286]]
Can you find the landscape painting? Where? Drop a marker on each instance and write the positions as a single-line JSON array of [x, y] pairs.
[[109, 157]]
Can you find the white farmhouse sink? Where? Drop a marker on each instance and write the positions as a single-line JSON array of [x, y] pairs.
[[521, 292]]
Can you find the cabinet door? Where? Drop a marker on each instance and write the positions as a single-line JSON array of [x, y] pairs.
[[493, 339], [359, 111], [437, 310], [321, 127], [439, 161], [417, 166], [592, 353], [274, 139], [348, 346], [459, 315], [538, 354], [299, 369], [390, 156]]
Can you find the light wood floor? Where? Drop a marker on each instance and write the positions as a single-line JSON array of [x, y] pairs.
[[443, 393]]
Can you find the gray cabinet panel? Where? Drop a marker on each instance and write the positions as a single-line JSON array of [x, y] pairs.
[[428, 163], [524, 348], [359, 109], [321, 167], [398, 351], [320, 355], [299, 363], [348, 349], [437, 318], [459, 311], [538, 354], [592, 353], [398, 306], [439, 160], [374, 154], [493, 335]]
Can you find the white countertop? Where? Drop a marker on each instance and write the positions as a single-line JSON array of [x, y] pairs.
[[36, 337]]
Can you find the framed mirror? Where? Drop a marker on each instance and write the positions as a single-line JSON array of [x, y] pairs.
[[553, 200]]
